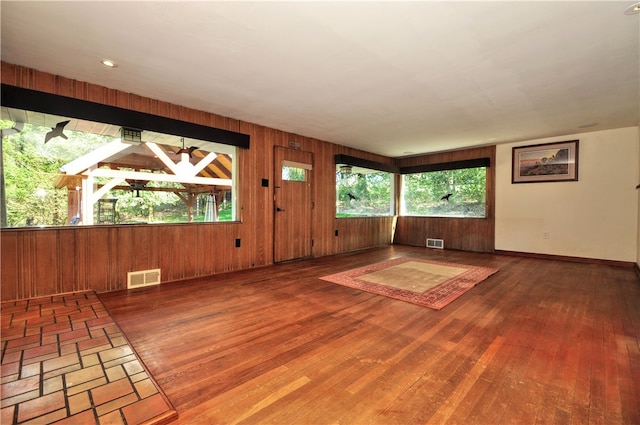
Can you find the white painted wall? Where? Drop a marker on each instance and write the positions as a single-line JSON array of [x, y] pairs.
[[594, 217], [638, 191]]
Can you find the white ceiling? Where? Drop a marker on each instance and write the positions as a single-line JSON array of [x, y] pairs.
[[395, 78]]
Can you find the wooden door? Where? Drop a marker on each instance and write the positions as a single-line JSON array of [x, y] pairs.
[[292, 204]]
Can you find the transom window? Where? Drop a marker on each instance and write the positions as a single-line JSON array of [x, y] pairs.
[[294, 174]]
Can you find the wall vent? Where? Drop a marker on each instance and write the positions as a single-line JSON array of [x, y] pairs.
[[435, 243], [143, 278]]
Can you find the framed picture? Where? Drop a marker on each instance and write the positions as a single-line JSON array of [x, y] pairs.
[[548, 162]]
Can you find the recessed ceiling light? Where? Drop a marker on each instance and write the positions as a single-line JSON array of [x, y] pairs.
[[633, 9], [109, 63]]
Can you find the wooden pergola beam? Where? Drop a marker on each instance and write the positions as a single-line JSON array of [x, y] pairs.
[[137, 175]]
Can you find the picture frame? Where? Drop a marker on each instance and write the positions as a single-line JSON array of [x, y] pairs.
[[547, 162]]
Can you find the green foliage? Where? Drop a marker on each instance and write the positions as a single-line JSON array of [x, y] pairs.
[[161, 207], [30, 169], [423, 192], [294, 174], [363, 194]]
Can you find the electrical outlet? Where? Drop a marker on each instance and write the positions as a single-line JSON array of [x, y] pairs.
[[545, 235]]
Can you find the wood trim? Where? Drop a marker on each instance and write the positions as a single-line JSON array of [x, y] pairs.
[[615, 263]]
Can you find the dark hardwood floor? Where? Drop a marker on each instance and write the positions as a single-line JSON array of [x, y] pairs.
[[540, 342]]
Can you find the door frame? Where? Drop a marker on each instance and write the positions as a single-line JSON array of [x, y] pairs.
[[304, 249]]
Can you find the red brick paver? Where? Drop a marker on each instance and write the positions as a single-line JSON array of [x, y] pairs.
[[65, 361]]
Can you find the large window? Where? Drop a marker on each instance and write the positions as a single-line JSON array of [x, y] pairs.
[[85, 173], [446, 193], [363, 192]]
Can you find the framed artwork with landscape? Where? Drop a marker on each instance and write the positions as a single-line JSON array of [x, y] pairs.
[[548, 162]]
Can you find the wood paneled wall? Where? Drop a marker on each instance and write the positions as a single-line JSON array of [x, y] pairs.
[[363, 232], [37, 262], [58, 260], [476, 234]]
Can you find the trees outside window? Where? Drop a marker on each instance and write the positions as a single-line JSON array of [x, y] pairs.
[[448, 193], [295, 174], [363, 192], [38, 192]]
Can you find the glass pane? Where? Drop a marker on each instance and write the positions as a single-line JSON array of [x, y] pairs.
[[363, 192], [46, 185], [450, 193], [294, 174]]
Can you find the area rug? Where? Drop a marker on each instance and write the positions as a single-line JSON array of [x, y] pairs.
[[432, 284]]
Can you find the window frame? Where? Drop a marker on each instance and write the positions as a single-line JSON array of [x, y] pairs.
[[293, 165], [482, 162], [351, 161], [391, 210], [444, 201], [22, 99]]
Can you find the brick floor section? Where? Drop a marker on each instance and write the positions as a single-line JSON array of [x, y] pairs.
[[65, 361]]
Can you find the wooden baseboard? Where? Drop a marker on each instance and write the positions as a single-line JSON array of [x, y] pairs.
[[615, 263]]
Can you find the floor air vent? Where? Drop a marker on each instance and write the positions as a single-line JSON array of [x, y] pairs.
[[435, 243], [143, 278]]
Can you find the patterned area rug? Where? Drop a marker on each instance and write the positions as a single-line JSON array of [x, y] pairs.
[[430, 284], [65, 361]]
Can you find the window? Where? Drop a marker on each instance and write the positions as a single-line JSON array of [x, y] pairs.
[[85, 174], [294, 174], [363, 192], [446, 193]]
